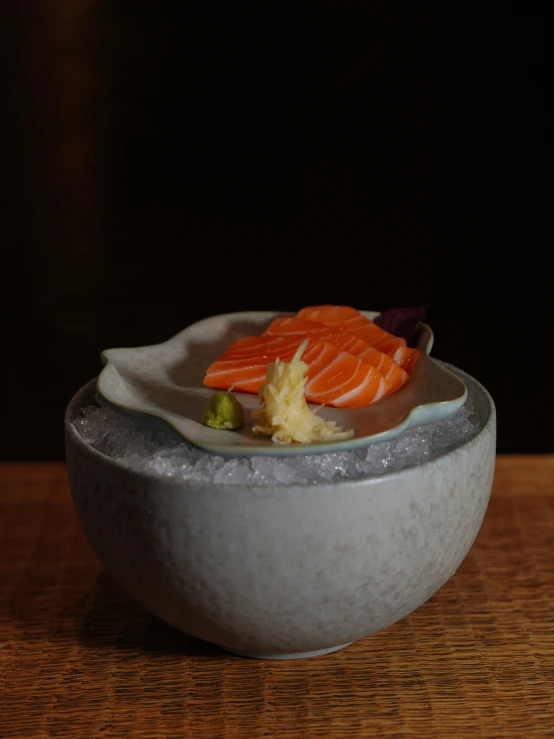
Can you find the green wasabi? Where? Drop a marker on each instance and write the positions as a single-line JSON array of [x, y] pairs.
[[224, 411]]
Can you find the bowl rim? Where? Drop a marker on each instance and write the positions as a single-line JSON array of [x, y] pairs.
[[75, 404]]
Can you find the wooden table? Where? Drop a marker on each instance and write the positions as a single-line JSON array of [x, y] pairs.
[[79, 659]]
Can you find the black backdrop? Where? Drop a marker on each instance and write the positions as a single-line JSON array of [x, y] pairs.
[[168, 163]]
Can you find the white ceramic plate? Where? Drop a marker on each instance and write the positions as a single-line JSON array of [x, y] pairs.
[[164, 382]]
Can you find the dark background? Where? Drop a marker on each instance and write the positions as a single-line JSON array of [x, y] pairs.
[[163, 163]]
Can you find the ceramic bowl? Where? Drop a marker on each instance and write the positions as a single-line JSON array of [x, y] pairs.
[[164, 382], [283, 571]]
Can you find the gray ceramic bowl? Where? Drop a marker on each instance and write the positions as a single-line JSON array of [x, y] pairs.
[[283, 572]]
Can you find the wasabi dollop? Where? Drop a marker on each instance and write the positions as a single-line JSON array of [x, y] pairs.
[[224, 411]]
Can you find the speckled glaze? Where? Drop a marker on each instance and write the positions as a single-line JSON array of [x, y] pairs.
[[282, 572]]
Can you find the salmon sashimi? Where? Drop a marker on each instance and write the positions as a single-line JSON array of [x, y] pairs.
[[334, 377], [348, 319], [254, 346], [406, 357], [386, 365]]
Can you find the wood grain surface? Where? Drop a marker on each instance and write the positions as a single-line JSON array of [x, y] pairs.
[[79, 659]]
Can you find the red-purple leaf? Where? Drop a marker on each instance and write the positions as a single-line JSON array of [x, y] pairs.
[[402, 321]]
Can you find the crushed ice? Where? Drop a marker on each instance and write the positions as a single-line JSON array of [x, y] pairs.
[[137, 445]]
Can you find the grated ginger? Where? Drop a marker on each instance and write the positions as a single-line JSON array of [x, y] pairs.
[[284, 414]]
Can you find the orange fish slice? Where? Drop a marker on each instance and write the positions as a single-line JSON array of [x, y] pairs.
[[343, 340], [406, 357], [334, 377], [344, 318]]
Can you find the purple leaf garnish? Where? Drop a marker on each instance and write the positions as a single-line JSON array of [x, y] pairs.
[[402, 321]]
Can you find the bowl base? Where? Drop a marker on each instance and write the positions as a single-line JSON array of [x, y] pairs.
[[294, 655]]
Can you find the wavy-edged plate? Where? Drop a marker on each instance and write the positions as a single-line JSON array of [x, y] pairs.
[[164, 382]]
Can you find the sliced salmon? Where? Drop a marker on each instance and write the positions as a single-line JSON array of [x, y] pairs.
[[334, 377], [348, 319], [406, 357], [387, 366]]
